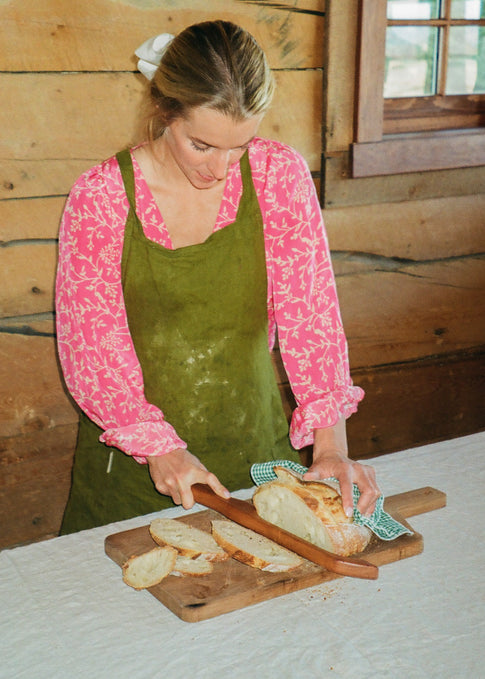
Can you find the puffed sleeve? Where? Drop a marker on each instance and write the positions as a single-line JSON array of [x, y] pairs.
[[304, 301], [97, 356]]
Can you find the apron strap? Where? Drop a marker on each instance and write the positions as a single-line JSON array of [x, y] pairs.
[[128, 176]]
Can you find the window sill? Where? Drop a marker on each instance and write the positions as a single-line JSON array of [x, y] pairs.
[[419, 152]]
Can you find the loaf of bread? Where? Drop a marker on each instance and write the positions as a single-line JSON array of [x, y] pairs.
[[150, 568], [187, 540], [253, 549], [311, 510]]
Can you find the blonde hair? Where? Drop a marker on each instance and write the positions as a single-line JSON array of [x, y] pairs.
[[214, 64]]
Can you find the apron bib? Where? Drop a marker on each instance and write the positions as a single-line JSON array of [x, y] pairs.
[[199, 323]]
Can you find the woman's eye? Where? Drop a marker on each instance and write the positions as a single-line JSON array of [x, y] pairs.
[[199, 148]]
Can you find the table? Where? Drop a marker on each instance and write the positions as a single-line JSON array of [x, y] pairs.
[[65, 612]]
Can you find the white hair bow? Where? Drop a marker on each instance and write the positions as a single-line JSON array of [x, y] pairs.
[[151, 52]]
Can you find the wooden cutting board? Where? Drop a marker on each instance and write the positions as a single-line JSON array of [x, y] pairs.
[[233, 585]]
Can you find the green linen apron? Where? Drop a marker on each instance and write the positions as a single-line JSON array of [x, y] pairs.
[[199, 323]]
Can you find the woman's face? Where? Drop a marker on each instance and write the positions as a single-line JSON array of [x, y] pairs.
[[205, 144]]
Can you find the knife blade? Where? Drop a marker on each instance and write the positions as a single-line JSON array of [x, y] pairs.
[[244, 513]]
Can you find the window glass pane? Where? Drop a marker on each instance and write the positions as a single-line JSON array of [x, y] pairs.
[[412, 9], [466, 62], [468, 9], [410, 61]]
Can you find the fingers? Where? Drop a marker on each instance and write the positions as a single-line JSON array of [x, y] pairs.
[[175, 473], [186, 497], [207, 478], [348, 472], [217, 486], [346, 491], [341, 468], [369, 493]]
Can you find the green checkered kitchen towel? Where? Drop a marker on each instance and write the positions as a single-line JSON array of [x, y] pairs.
[[380, 522]]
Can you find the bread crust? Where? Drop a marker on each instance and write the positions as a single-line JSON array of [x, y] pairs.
[[187, 540], [311, 510], [253, 549], [148, 569]]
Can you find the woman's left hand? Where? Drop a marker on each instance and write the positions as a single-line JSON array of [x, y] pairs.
[[330, 458]]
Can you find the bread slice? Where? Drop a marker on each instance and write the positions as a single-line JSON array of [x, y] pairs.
[[253, 549], [187, 540], [311, 510], [150, 568], [184, 565]]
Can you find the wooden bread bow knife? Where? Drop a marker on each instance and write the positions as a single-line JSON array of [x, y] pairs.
[[245, 514]]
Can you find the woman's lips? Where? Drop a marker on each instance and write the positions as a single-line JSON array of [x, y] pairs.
[[206, 179]]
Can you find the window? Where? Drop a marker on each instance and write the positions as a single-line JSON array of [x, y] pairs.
[[421, 92], [434, 75]]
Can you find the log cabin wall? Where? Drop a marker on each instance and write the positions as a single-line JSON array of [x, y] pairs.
[[409, 270]]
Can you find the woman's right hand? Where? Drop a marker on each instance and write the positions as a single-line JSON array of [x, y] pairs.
[[174, 474]]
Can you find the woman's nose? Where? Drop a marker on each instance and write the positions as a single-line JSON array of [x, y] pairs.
[[219, 163]]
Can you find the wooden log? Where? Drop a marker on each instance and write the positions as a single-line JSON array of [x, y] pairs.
[[30, 178], [340, 74], [414, 230], [39, 163], [37, 218], [339, 190], [27, 273], [101, 35], [421, 402], [32, 396], [412, 311], [33, 325], [35, 477], [410, 404], [444, 150]]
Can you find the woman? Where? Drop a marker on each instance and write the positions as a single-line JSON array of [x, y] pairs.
[[177, 260]]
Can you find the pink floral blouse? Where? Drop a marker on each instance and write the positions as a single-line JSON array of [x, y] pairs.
[[98, 359]]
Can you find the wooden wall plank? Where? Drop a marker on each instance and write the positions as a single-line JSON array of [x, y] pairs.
[[409, 405], [36, 162], [32, 178], [340, 69], [340, 190], [444, 150], [413, 311], [32, 396], [35, 475], [27, 273], [60, 106], [38, 325], [35, 218], [419, 230], [91, 35], [370, 75]]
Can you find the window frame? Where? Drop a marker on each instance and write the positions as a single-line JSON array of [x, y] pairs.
[[376, 153]]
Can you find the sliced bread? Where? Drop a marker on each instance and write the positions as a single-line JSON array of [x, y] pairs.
[[150, 568], [253, 549], [187, 540], [184, 565]]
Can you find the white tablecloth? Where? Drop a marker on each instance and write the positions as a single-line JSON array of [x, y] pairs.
[[65, 612]]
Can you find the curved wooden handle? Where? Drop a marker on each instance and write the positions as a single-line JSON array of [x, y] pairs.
[[245, 514]]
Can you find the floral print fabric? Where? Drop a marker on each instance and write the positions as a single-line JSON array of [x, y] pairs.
[[96, 352]]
